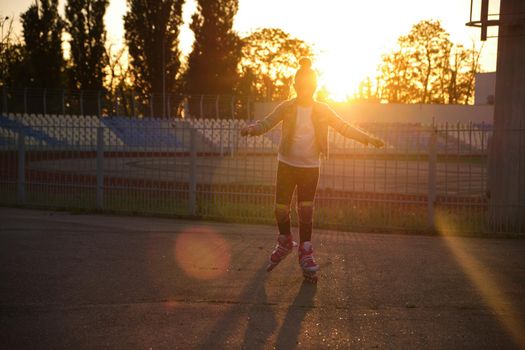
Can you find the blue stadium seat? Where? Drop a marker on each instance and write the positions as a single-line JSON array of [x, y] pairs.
[[17, 127]]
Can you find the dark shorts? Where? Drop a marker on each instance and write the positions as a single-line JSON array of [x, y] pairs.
[[290, 177]]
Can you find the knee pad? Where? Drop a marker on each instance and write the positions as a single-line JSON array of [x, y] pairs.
[[282, 212], [305, 212]]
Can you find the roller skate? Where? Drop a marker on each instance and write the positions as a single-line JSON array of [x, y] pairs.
[[285, 244], [307, 262]]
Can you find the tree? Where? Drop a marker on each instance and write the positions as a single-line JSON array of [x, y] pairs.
[[85, 24], [151, 33], [119, 81], [461, 74], [268, 63], [212, 64], [42, 31], [426, 67], [12, 53]]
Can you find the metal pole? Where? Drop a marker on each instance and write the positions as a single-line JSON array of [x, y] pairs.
[[151, 105], [25, 100], [202, 97], [133, 104], [63, 104], [164, 77], [4, 99], [186, 107], [100, 168], [235, 141], [21, 168], [432, 167], [217, 107], [248, 110], [81, 102], [44, 100], [169, 106], [116, 103], [98, 104], [233, 107], [192, 180]]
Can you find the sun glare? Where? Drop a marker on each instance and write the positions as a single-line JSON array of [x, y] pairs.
[[339, 76]]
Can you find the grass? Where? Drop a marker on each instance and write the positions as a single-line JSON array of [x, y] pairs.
[[344, 215]]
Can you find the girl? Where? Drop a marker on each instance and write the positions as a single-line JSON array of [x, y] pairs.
[[304, 138]]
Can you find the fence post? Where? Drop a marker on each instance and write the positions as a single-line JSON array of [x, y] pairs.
[[248, 109], [44, 96], [100, 167], [116, 104], [4, 100], [201, 105], [217, 113], [98, 104], [21, 168], [151, 112], [235, 141], [232, 106], [432, 168], [133, 104], [81, 102], [186, 108], [25, 100], [63, 103], [192, 181], [169, 105]]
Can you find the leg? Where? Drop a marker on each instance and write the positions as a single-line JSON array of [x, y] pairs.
[[306, 188], [285, 187], [307, 180], [305, 212]]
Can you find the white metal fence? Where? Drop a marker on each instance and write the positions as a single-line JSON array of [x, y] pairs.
[[196, 167]]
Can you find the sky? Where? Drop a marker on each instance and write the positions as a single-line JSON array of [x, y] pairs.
[[349, 36]]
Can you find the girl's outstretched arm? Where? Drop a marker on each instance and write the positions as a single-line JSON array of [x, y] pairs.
[[347, 130], [267, 123]]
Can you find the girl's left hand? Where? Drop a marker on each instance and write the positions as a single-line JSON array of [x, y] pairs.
[[378, 143]]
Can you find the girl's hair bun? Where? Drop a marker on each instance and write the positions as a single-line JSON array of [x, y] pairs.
[[305, 63]]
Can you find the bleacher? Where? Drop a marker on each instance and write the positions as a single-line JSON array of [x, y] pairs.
[[225, 134], [415, 137], [12, 127], [58, 131], [147, 132], [219, 135]]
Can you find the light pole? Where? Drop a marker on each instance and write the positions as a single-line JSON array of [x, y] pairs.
[[164, 76]]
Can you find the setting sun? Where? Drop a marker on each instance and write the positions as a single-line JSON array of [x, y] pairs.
[[340, 76]]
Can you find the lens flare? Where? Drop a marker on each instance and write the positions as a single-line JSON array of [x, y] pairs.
[[492, 293], [202, 253]]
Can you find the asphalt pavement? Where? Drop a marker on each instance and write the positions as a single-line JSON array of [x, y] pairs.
[[120, 282]]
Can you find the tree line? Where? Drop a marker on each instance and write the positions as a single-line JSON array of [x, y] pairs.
[[425, 67], [220, 62]]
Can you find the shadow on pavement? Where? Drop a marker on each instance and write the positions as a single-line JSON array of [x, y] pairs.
[[254, 294], [291, 328]]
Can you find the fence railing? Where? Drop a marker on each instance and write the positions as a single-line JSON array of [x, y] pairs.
[[424, 176], [122, 103]]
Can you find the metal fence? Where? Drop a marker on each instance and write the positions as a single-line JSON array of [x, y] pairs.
[[425, 176], [122, 103]]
